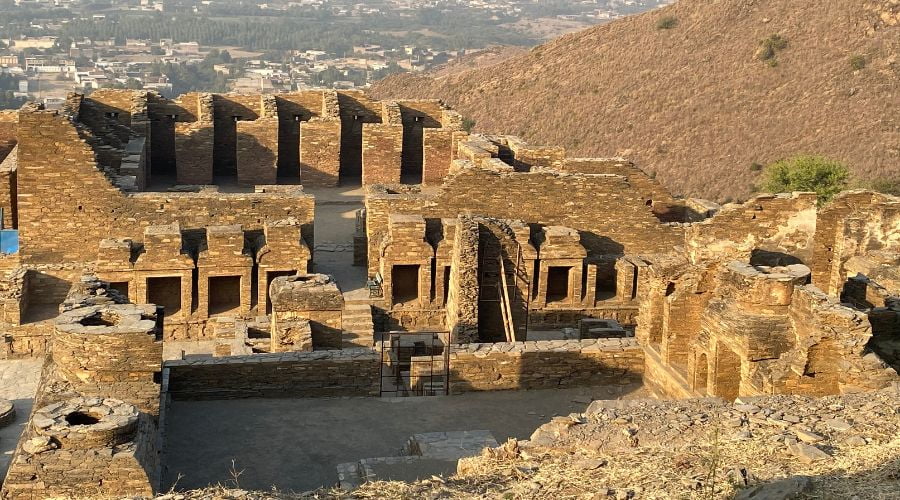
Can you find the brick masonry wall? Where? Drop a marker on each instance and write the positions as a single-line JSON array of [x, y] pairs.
[[225, 108], [607, 206], [348, 372], [9, 122], [782, 223], [89, 205], [382, 151], [8, 171], [257, 151], [320, 153], [437, 154], [544, 364], [193, 153], [852, 224]]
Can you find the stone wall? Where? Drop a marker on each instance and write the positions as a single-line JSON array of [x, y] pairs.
[[606, 206], [228, 109], [462, 297], [544, 364], [312, 297], [91, 206], [382, 149], [8, 193], [257, 151], [736, 329], [343, 373], [852, 224], [781, 226], [9, 123]]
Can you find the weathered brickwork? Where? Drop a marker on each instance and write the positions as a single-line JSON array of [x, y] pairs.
[[348, 372], [8, 191], [544, 364], [549, 195], [852, 224], [312, 297], [734, 329]]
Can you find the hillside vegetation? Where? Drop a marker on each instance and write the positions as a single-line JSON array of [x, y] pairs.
[[702, 92]]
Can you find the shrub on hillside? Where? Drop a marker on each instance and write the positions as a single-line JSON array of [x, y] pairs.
[[806, 173], [887, 186], [769, 47], [468, 124], [666, 23], [858, 62]]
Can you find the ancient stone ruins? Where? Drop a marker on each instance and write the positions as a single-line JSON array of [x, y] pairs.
[[135, 225]]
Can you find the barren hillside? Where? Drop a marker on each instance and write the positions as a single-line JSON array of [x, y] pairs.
[[696, 103]]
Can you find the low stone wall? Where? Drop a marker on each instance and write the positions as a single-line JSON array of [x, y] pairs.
[[348, 372], [544, 364]]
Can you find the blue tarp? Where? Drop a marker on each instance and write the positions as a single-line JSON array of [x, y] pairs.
[[9, 241]]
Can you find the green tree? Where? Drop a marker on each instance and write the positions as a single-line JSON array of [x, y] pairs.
[[821, 175]]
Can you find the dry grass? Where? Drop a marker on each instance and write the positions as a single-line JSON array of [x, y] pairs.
[[694, 103]]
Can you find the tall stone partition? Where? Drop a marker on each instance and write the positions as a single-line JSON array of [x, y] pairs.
[[194, 142], [320, 146], [439, 147], [94, 432], [462, 297], [313, 297], [382, 147], [257, 146], [8, 194]]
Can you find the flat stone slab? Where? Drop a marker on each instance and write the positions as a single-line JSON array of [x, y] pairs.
[[451, 445]]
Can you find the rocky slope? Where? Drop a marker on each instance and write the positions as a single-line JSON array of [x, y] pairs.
[[697, 103]]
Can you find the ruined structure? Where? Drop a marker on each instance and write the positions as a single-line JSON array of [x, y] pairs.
[[490, 264]]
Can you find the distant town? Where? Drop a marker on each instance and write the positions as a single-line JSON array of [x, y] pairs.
[[49, 48]]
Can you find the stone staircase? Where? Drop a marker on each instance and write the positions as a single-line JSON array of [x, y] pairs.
[[356, 322], [425, 455]]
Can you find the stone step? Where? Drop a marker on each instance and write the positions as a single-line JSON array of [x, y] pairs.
[[404, 468]]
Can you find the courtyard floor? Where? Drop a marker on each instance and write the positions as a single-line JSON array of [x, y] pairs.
[[295, 444], [18, 383]]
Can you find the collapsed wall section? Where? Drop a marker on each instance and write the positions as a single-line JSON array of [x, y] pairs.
[[853, 224], [774, 229]]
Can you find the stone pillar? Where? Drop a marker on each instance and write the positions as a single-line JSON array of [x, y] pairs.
[[313, 297]]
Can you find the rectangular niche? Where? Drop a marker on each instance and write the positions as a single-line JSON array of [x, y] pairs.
[[558, 286], [166, 292], [224, 294], [405, 283]]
